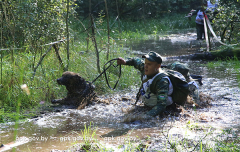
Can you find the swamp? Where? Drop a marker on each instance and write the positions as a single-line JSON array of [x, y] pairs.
[[42, 39]]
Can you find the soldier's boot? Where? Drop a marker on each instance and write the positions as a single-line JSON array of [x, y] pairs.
[[194, 91]]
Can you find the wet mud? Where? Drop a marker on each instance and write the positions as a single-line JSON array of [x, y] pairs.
[[115, 123]]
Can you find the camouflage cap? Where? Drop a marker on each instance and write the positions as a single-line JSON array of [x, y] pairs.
[[153, 56]]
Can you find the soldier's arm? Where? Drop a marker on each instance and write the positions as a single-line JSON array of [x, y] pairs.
[[161, 87], [138, 63], [194, 12]]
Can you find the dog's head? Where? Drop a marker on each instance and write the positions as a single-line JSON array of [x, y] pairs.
[[71, 79]]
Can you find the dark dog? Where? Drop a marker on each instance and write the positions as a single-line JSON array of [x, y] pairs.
[[80, 92]]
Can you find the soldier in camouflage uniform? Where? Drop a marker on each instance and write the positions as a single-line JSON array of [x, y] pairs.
[[150, 68], [184, 70]]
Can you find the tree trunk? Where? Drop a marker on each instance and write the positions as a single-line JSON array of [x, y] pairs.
[[95, 44], [68, 58], [108, 29]]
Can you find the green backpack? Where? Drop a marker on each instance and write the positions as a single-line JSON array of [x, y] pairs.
[[179, 67], [180, 86]]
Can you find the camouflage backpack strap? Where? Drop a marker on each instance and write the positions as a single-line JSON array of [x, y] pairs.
[[139, 91], [158, 78], [179, 83]]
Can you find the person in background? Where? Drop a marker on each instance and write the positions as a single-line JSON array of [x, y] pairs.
[[199, 19]]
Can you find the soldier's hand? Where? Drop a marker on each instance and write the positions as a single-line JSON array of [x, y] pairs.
[[192, 10], [199, 20], [121, 61]]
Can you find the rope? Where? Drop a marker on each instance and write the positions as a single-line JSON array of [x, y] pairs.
[[104, 72], [206, 33]]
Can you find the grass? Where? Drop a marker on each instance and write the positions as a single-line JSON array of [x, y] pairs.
[[228, 141], [232, 66], [161, 26], [140, 29], [89, 138]]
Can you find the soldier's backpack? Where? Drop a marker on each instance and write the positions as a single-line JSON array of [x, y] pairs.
[[180, 67], [180, 86]]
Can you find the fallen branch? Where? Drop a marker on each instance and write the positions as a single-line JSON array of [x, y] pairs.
[[59, 58], [40, 61], [95, 44]]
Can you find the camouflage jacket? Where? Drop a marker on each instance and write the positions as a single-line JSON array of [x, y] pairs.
[[160, 87]]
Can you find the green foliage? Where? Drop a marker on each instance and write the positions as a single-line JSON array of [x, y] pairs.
[[231, 64], [133, 9], [214, 64], [88, 137], [226, 21], [32, 22], [141, 29]]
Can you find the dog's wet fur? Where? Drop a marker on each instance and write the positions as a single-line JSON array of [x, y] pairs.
[[80, 92]]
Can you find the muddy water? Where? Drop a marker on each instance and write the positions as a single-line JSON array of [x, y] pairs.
[[60, 130], [172, 44]]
